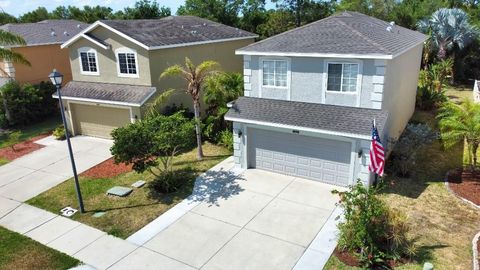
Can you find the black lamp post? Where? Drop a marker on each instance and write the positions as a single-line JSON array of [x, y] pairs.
[[56, 78]]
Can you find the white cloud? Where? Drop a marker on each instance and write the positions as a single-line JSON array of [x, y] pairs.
[[5, 3]]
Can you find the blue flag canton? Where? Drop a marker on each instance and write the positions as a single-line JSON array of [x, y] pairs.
[[375, 134]]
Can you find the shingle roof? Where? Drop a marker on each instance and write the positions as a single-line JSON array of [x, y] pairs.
[[41, 32], [122, 93], [174, 30], [349, 120], [344, 33]]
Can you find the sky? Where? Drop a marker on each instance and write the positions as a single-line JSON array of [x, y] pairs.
[[16, 7]]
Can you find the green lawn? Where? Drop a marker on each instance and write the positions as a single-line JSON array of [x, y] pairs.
[[36, 129], [443, 225], [124, 216], [3, 161], [19, 252]]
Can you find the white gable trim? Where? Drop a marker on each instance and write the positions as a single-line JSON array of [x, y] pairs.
[[95, 25], [99, 23], [101, 45]]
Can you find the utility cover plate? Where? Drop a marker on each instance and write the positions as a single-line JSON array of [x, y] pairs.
[[119, 191], [98, 214], [68, 211], [138, 184]]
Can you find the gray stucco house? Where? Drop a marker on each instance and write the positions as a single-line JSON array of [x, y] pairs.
[[312, 93]]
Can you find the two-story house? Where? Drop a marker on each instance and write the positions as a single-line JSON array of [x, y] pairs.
[[42, 49], [116, 66], [312, 93]]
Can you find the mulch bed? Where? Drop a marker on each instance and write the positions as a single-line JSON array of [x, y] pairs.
[[107, 169], [466, 184], [346, 257], [21, 149]]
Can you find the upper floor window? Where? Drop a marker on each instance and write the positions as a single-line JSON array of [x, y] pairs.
[[274, 73], [127, 62], [342, 77], [88, 61]]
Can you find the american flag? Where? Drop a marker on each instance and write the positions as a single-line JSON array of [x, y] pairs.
[[377, 153]]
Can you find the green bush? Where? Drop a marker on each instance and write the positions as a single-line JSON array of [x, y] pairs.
[[24, 104], [170, 181], [13, 138], [151, 144], [226, 139], [59, 133], [371, 230]]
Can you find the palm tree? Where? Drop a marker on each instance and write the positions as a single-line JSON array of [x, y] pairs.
[[461, 123], [6, 55], [195, 77], [448, 28]]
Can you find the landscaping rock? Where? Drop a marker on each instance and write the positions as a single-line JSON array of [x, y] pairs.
[[119, 191], [138, 184]]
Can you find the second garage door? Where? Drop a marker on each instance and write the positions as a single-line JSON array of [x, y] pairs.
[[307, 157], [98, 121]]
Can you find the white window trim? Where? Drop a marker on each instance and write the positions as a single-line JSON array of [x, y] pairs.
[[88, 50], [127, 50], [260, 69], [359, 77]]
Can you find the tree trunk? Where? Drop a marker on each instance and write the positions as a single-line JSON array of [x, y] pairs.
[[5, 107], [198, 129], [474, 152], [442, 52]]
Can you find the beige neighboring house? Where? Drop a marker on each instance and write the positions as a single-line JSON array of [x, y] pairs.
[[42, 49], [116, 65]]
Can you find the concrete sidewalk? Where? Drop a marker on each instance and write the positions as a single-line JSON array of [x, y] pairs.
[[32, 174]]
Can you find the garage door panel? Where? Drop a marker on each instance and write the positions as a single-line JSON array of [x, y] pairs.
[[98, 121], [315, 158]]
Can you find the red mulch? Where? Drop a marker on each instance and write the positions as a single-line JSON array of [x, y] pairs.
[[22, 148], [466, 184], [346, 257], [106, 169]]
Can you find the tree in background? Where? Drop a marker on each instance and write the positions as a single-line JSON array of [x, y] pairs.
[[449, 30], [144, 9], [195, 77], [222, 11], [278, 21], [306, 11], [253, 15], [7, 18], [36, 15]]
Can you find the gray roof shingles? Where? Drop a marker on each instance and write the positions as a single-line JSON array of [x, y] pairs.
[[175, 30], [40, 33], [134, 94], [349, 120], [344, 33]]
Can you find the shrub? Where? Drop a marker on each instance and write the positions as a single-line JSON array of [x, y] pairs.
[[171, 181], [413, 139], [371, 229], [26, 104], [59, 133], [226, 139], [13, 138], [151, 144], [428, 98]]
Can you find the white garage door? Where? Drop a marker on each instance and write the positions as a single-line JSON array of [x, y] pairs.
[[307, 157]]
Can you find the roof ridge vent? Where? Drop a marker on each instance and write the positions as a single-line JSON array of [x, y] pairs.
[[53, 32], [78, 25], [193, 32]]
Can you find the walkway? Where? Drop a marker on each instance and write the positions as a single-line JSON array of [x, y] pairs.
[[233, 220]]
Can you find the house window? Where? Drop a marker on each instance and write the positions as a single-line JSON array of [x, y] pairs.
[[127, 62], [275, 73], [342, 77], [88, 61]]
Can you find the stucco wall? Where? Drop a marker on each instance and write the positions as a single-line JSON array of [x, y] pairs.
[[107, 62], [43, 60], [400, 89], [307, 81], [222, 52]]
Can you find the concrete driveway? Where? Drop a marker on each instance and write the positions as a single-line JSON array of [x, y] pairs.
[[258, 220], [32, 174]]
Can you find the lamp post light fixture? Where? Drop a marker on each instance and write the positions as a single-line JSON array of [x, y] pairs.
[[56, 78]]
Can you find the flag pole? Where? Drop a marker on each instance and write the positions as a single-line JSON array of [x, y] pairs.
[[375, 180]]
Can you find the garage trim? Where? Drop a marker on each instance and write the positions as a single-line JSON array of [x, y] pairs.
[[317, 134], [69, 103]]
